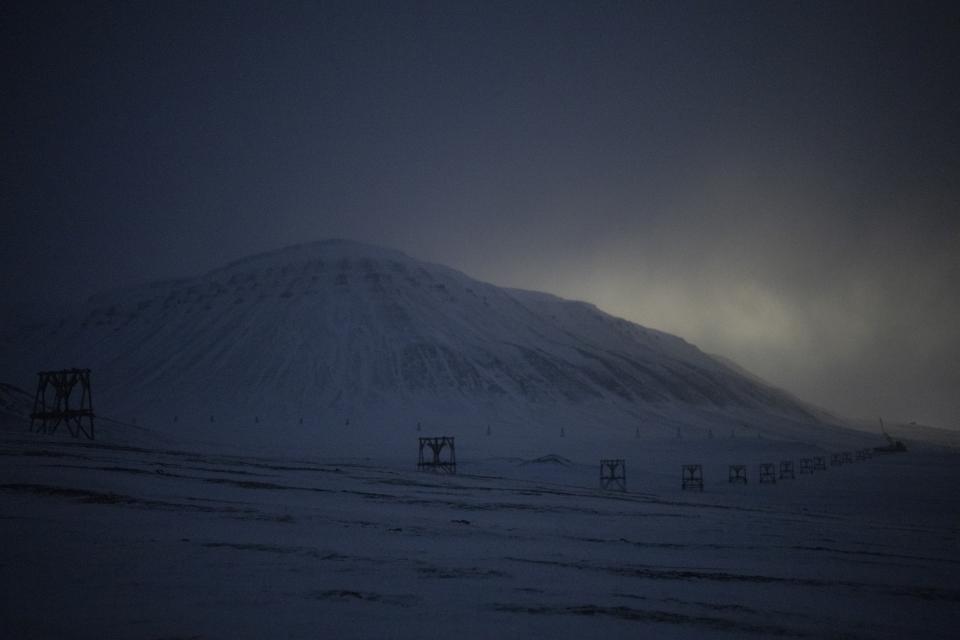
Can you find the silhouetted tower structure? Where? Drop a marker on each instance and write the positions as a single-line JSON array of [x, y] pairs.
[[51, 405], [786, 470], [692, 477], [768, 473], [613, 475], [737, 474], [437, 462]]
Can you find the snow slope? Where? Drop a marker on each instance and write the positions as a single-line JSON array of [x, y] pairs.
[[14, 402], [342, 343]]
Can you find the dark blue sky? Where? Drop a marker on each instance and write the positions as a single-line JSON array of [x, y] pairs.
[[775, 181]]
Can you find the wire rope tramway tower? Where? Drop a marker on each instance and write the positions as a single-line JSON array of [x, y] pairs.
[[613, 474], [437, 462], [51, 404]]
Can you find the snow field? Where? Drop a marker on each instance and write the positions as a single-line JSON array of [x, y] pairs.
[[100, 540]]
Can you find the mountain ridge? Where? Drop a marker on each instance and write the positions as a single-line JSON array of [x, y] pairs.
[[335, 330]]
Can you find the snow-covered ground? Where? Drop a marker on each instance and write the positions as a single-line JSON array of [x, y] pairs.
[[177, 540]]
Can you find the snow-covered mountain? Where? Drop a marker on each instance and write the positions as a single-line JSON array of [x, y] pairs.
[[337, 336]]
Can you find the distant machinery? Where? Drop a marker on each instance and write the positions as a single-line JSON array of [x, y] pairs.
[[892, 446]]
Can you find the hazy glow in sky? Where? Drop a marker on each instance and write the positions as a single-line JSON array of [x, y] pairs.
[[777, 182]]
